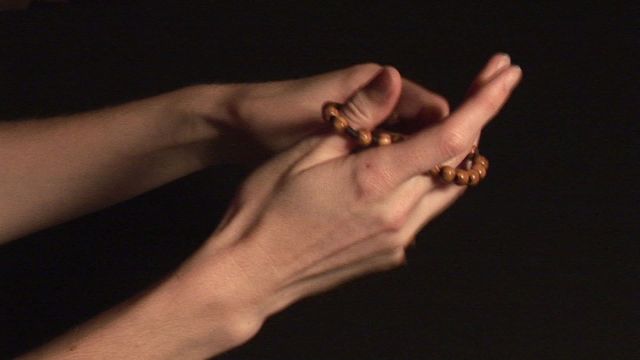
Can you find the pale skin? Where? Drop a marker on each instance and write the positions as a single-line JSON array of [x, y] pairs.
[[356, 211]]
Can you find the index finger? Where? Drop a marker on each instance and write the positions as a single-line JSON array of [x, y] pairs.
[[452, 137]]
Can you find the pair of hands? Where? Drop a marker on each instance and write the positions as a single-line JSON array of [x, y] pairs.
[[317, 214]]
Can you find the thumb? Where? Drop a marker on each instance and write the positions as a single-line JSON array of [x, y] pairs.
[[365, 109], [375, 101]]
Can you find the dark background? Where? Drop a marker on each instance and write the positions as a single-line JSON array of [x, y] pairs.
[[540, 262]]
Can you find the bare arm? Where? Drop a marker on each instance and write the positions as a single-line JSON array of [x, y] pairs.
[[311, 218], [52, 170]]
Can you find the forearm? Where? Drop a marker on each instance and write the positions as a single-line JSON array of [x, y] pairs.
[[187, 316], [52, 170]]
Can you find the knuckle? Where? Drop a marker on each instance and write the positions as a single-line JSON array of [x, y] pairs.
[[452, 143], [370, 179], [358, 111], [241, 329], [392, 221]]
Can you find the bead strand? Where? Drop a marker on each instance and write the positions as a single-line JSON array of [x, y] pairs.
[[475, 172]]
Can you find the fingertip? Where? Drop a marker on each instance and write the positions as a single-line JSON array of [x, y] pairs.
[[394, 73], [496, 64], [385, 84], [501, 59], [373, 103], [513, 76]]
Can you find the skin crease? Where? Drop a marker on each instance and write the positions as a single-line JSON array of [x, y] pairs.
[[311, 218]]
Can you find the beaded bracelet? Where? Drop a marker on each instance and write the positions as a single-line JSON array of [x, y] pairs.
[[470, 172]]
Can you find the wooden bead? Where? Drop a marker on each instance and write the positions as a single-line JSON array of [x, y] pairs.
[[435, 171], [330, 110], [479, 159], [340, 123], [364, 137], [462, 177], [447, 173], [474, 177], [384, 139], [482, 171], [396, 137]]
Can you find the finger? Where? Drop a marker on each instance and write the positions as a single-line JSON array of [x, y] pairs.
[[370, 105], [336, 85], [497, 62], [451, 138], [365, 109], [417, 108]]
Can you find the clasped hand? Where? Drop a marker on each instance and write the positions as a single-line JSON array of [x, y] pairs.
[[319, 214]]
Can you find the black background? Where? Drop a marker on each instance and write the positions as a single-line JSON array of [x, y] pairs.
[[540, 262]]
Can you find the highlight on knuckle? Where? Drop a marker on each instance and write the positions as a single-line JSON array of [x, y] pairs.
[[391, 220], [370, 179]]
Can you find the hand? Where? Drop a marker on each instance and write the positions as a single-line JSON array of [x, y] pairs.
[[318, 214], [276, 115]]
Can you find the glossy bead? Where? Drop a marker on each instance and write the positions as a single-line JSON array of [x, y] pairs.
[[396, 137], [384, 139], [462, 177], [482, 171], [340, 123], [447, 173], [364, 137], [474, 177], [479, 159], [330, 110]]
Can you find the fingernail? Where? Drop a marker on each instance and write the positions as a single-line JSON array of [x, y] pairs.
[[513, 76]]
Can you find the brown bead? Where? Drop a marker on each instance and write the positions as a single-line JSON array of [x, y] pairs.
[[474, 177], [462, 177], [364, 137], [384, 138], [340, 123], [330, 110], [479, 159], [482, 171], [447, 173], [396, 137]]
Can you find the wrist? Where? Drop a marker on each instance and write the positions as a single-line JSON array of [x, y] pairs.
[[211, 115], [217, 298]]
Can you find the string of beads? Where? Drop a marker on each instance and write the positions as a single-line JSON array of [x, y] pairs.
[[470, 172]]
